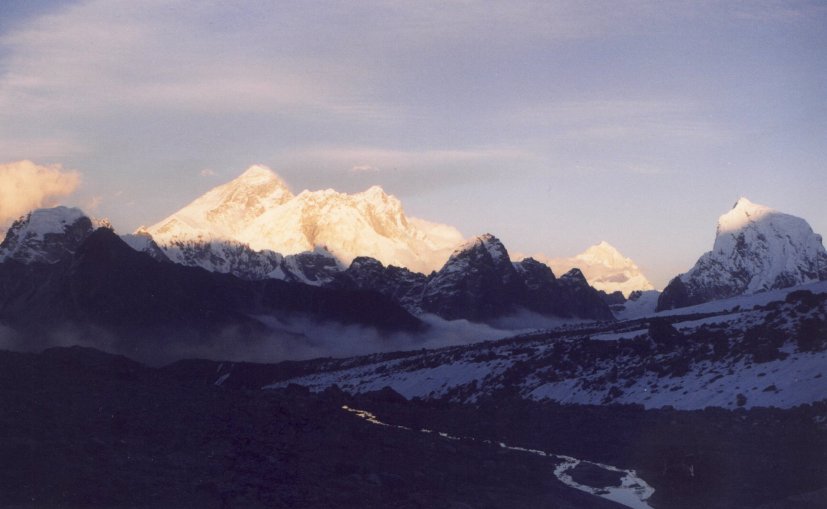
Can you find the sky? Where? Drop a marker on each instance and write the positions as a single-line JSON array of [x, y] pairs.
[[551, 124]]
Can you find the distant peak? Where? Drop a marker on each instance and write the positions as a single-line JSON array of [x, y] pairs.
[[260, 174], [258, 170], [605, 254], [375, 193], [488, 242], [604, 248], [574, 274]]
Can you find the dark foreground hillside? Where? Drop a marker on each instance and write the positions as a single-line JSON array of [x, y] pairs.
[[81, 428], [764, 458], [85, 429]]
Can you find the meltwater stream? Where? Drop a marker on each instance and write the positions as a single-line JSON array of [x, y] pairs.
[[633, 491]]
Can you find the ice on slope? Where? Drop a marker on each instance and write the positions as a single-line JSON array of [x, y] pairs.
[[258, 210]]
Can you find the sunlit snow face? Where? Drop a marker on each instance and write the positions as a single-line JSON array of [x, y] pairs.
[[257, 209], [743, 213]]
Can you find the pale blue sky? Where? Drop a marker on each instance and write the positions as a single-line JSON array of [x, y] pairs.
[[553, 125]]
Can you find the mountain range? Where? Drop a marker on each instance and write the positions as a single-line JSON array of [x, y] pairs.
[[212, 266], [253, 227], [64, 279], [258, 210], [716, 399]]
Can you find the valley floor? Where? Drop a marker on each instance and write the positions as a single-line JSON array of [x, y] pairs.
[[86, 429]]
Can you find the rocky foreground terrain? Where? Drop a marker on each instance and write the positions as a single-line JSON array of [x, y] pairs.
[[86, 429]]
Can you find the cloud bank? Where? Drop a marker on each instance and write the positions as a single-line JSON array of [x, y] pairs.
[[25, 185]]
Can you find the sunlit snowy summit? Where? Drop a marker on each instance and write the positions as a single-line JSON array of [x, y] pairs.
[[605, 268], [756, 249], [257, 210]]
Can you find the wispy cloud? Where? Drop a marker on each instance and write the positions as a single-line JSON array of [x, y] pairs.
[[207, 172], [622, 120], [98, 56], [25, 186]]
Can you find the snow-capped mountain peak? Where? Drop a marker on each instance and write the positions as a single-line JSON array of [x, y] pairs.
[[605, 268], [45, 235], [218, 213], [756, 249], [258, 210], [259, 174], [742, 213], [489, 243], [604, 254]]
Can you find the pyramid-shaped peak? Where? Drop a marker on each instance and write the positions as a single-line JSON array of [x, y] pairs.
[[485, 239], [606, 255], [576, 275], [488, 242], [260, 174]]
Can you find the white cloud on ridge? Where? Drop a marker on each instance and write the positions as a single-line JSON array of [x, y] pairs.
[[25, 185]]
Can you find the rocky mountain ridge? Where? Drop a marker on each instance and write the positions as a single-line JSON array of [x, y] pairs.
[[479, 282], [105, 293]]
